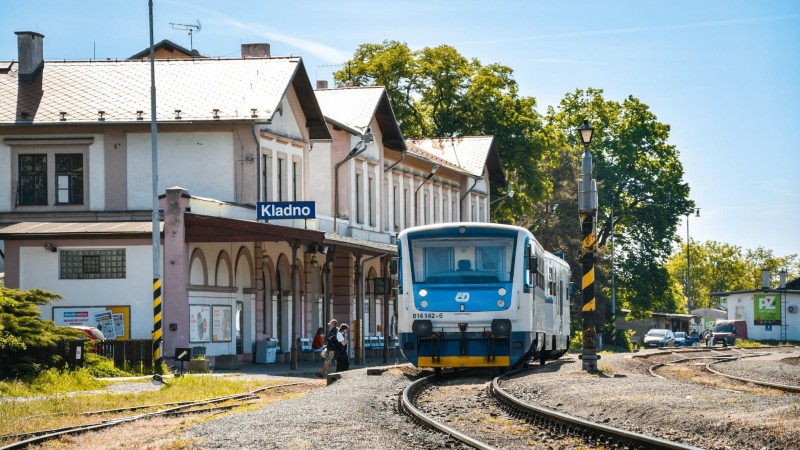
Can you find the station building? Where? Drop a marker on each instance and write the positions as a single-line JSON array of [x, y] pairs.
[[76, 197]]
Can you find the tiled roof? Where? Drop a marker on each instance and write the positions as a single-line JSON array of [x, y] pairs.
[[76, 228], [352, 107], [468, 153], [121, 88]]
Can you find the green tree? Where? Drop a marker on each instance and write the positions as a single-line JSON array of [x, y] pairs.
[[638, 174], [437, 92], [715, 267], [762, 258], [23, 332]]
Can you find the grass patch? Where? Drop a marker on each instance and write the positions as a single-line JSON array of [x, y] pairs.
[[51, 381], [746, 343], [65, 410]]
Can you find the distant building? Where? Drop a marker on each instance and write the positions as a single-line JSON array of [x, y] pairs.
[[771, 314]]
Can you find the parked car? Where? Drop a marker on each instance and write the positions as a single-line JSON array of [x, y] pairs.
[[692, 339], [659, 337], [726, 332], [680, 338]]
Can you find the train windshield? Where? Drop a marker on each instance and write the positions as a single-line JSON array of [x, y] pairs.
[[470, 260]]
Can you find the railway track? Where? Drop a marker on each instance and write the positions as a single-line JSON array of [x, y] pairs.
[[538, 416], [721, 359], [207, 406]]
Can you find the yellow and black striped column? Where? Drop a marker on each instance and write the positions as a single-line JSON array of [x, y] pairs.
[[157, 332], [588, 316]]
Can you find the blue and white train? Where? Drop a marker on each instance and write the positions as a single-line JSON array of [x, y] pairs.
[[480, 295]]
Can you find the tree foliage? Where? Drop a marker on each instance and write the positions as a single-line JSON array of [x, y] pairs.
[[721, 267], [21, 329], [640, 176], [437, 92]]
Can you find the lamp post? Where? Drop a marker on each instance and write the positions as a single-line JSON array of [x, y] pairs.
[[587, 208], [689, 304], [784, 323], [428, 177]]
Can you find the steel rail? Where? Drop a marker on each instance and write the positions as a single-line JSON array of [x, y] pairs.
[[630, 437], [783, 387], [411, 391]]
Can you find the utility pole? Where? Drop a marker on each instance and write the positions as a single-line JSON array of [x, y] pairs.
[[157, 333], [587, 208]]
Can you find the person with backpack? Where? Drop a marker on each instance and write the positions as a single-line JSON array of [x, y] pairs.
[[331, 345]]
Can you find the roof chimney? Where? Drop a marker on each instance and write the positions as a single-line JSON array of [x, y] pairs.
[[31, 55], [322, 84], [255, 50]]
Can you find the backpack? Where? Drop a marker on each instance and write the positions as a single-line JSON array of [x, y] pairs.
[[333, 343]]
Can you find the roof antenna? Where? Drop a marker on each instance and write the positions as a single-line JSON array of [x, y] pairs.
[[190, 27]]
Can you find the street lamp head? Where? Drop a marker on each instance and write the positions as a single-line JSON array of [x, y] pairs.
[[586, 132]]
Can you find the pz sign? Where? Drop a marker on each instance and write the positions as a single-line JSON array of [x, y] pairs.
[[767, 304]]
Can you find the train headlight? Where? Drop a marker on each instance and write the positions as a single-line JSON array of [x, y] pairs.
[[422, 328], [501, 303], [501, 327], [423, 292], [423, 303], [501, 291]]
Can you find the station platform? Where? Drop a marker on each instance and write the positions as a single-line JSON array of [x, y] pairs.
[[304, 368]]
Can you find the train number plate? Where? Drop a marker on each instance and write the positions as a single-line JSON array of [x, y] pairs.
[[429, 315]]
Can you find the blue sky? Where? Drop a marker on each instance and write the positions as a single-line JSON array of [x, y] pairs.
[[725, 75]]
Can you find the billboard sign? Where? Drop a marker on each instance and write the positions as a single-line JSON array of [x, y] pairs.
[[766, 309], [113, 321]]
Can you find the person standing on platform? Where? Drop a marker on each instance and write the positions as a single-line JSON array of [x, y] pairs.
[[342, 358], [332, 343]]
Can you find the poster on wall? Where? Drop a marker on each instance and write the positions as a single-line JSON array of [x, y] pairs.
[[223, 325], [199, 321], [766, 309], [105, 323], [113, 321]]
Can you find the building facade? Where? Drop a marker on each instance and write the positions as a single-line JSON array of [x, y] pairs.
[[233, 134]]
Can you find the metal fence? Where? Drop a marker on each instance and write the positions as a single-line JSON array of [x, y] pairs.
[[133, 352]]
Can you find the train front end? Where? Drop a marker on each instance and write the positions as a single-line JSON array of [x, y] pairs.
[[457, 302]]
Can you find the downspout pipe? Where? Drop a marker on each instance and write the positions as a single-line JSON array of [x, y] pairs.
[[475, 179], [259, 169], [402, 156]]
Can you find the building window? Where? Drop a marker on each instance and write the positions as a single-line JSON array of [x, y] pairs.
[[407, 203], [32, 188], [359, 218], [266, 177], [295, 180], [281, 163], [371, 202], [435, 214], [396, 194], [69, 179], [92, 264]]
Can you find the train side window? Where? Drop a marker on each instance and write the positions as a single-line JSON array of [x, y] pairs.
[[529, 266]]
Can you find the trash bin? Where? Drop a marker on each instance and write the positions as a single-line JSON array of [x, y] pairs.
[[266, 351]]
